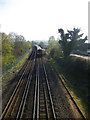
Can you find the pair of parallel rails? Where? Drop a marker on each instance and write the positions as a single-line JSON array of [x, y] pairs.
[[43, 102]]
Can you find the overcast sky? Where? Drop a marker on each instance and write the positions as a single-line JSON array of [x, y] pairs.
[[39, 19]]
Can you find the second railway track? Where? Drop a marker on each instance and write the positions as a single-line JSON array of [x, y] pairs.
[[43, 103], [12, 109]]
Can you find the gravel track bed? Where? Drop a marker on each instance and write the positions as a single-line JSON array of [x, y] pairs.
[[63, 103]]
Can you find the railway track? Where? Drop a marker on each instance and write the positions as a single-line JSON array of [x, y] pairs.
[[47, 104], [32, 98], [15, 105], [20, 74], [43, 107], [39, 102], [25, 93]]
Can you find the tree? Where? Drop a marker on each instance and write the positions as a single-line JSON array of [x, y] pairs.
[[54, 48], [70, 40], [51, 42], [13, 46], [20, 45], [7, 49], [41, 44]]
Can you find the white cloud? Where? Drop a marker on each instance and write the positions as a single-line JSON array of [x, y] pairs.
[[38, 19]]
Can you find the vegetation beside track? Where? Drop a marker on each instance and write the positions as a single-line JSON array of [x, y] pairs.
[[74, 69], [75, 72], [15, 50], [13, 71], [13, 46]]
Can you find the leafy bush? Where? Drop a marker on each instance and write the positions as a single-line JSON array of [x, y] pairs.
[[7, 59]]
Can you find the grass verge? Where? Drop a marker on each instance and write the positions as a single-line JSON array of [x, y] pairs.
[[75, 72]]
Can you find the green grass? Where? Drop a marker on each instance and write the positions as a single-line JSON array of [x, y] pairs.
[[75, 71]]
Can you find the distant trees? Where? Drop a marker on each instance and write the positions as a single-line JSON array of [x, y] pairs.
[[42, 44], [54, 48], [20, 45], [13, 46], [70, 40]]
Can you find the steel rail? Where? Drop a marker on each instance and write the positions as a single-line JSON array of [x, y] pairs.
[[22, 110], [52, 105], [11, 100], [35, 98], [46, 104], [38, 94]]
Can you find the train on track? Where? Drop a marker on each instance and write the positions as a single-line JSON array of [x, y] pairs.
[[39, 51]]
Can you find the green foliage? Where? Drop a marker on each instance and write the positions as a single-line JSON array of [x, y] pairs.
[[54, 48], [20, 48], [42, 44], [75, 69], [70, 40], [13, 46], [7, 44], [7, 59], [7, 49]]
